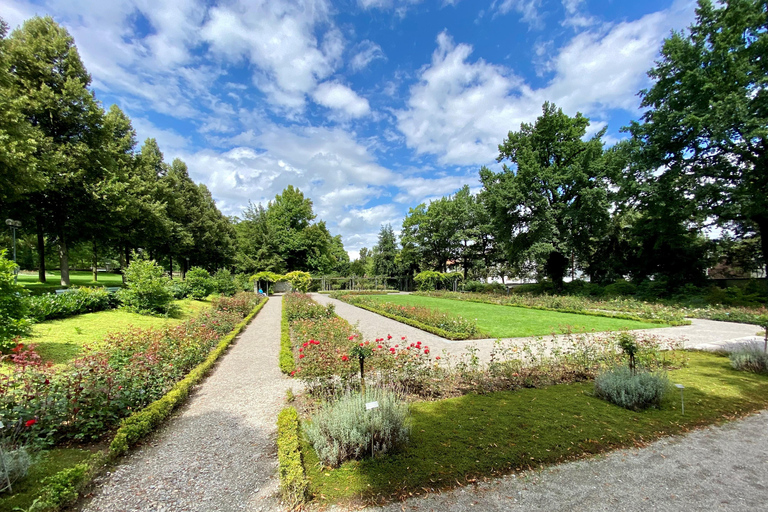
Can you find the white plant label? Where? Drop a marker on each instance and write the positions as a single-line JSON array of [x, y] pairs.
[[371, 405]]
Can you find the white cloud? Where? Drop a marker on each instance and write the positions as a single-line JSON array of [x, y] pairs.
[[340, 97], [461, 110], [529, 10], [574, 15], [368, 52]]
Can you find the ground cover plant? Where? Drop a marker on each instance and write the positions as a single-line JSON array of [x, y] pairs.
[[455, 441], [509, 322], [447, 324]]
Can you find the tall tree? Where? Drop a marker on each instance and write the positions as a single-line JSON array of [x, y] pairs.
[[45, 65], [385, 253], [429, 234], [554, 200], [706, 124]]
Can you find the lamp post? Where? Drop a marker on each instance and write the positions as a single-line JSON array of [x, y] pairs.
[[14, 224]]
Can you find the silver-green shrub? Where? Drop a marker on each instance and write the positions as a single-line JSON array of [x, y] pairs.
[[344, 429], [631, 390], [14, 466], [751, 359]]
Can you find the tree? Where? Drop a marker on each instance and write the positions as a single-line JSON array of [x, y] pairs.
[[429, 234], [385, 253], [554, 201], [705, 129], [56, 101]]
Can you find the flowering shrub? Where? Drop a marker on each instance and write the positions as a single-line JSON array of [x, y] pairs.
[[77, 301], [129, 370], [300, 306], [455, 326]]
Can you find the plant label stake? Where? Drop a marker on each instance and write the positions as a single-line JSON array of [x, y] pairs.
[[682, 401], [369, 406]]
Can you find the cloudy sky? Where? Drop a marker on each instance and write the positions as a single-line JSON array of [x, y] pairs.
[[368, 106]]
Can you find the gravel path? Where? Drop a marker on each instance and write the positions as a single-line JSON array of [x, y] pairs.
[[701, 334], [716, 468], [218, 453]]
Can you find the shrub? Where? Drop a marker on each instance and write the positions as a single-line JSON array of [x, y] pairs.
[[199, 283], [293, 480], [344, 429], [621, 287], [13, 307], [146, 288], [14, 465], [480, 287], [178, 289], [77, 301], [224, 283], [630, 390], [299, 280], [430, 280], [751, 359], [299, 306]]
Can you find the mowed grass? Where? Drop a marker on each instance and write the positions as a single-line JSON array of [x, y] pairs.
[[76, 278], [513, 322], [455, 441], [58, 341], [44, 464]]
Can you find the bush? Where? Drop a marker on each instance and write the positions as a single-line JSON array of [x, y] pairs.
[[77, 301], [224, 283], [750, 359], [630, 390], [178, 289], [14, 465], [300, 281], [293, 480], [199, 283], [344, 430], [13, 307], [146, 288], [479, 287], [299, 306], [620, 287]]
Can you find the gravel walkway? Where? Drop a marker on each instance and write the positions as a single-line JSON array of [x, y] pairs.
[[218, 453], [701, 334]]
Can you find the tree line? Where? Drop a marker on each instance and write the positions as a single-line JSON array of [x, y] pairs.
[[75, 176], [562, 203]]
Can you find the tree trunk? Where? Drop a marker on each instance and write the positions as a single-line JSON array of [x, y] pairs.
[[40, 250], [555, 267], [170, 263], [95, 264], [63, 259]]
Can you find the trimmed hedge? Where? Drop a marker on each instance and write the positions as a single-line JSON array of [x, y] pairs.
[[293, 480], [63, 488], [287, 362], [413, 323], [138, 425]]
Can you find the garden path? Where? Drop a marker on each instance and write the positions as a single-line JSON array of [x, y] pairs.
[[701, 334], [218, 452]]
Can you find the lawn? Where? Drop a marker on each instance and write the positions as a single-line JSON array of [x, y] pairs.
[[513, 322], [457, 440], [58, 341], [76, 278]]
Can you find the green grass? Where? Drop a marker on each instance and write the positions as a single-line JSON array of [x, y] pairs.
[[513, 322], [48, 463], [58, 341], [76, 278], [455, 441]]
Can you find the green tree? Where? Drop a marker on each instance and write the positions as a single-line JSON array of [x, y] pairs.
[[47, 68], [429, 234], [705, 129], [13, 307], [385, 253], [553, 202]]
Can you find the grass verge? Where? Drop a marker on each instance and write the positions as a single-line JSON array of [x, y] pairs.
[[455, 441], [62, 487], [59, 341], [516, 322], [419, 325], [76, 278]]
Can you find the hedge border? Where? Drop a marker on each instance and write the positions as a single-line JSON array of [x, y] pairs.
[[587, 312], [293, 480], [287, 362], [455, 336], [64, 487]]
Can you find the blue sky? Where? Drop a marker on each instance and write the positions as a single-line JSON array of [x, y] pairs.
[[368, 106]]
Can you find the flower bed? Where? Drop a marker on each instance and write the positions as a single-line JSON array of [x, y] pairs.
[[446, 325], [89, 396]]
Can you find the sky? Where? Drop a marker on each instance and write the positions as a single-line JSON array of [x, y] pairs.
[[369, 107]]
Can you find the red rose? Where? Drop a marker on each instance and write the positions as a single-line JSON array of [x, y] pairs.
[[438, 357], [344, 358], [362, 344], [351, 338], [389, 336], [301, 356], [380, 346], [392, 350], [402, 338], [426, 351], [305, 344], [30, 422]]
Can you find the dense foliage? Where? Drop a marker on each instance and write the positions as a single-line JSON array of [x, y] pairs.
[[76, 301], [13, 307]]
